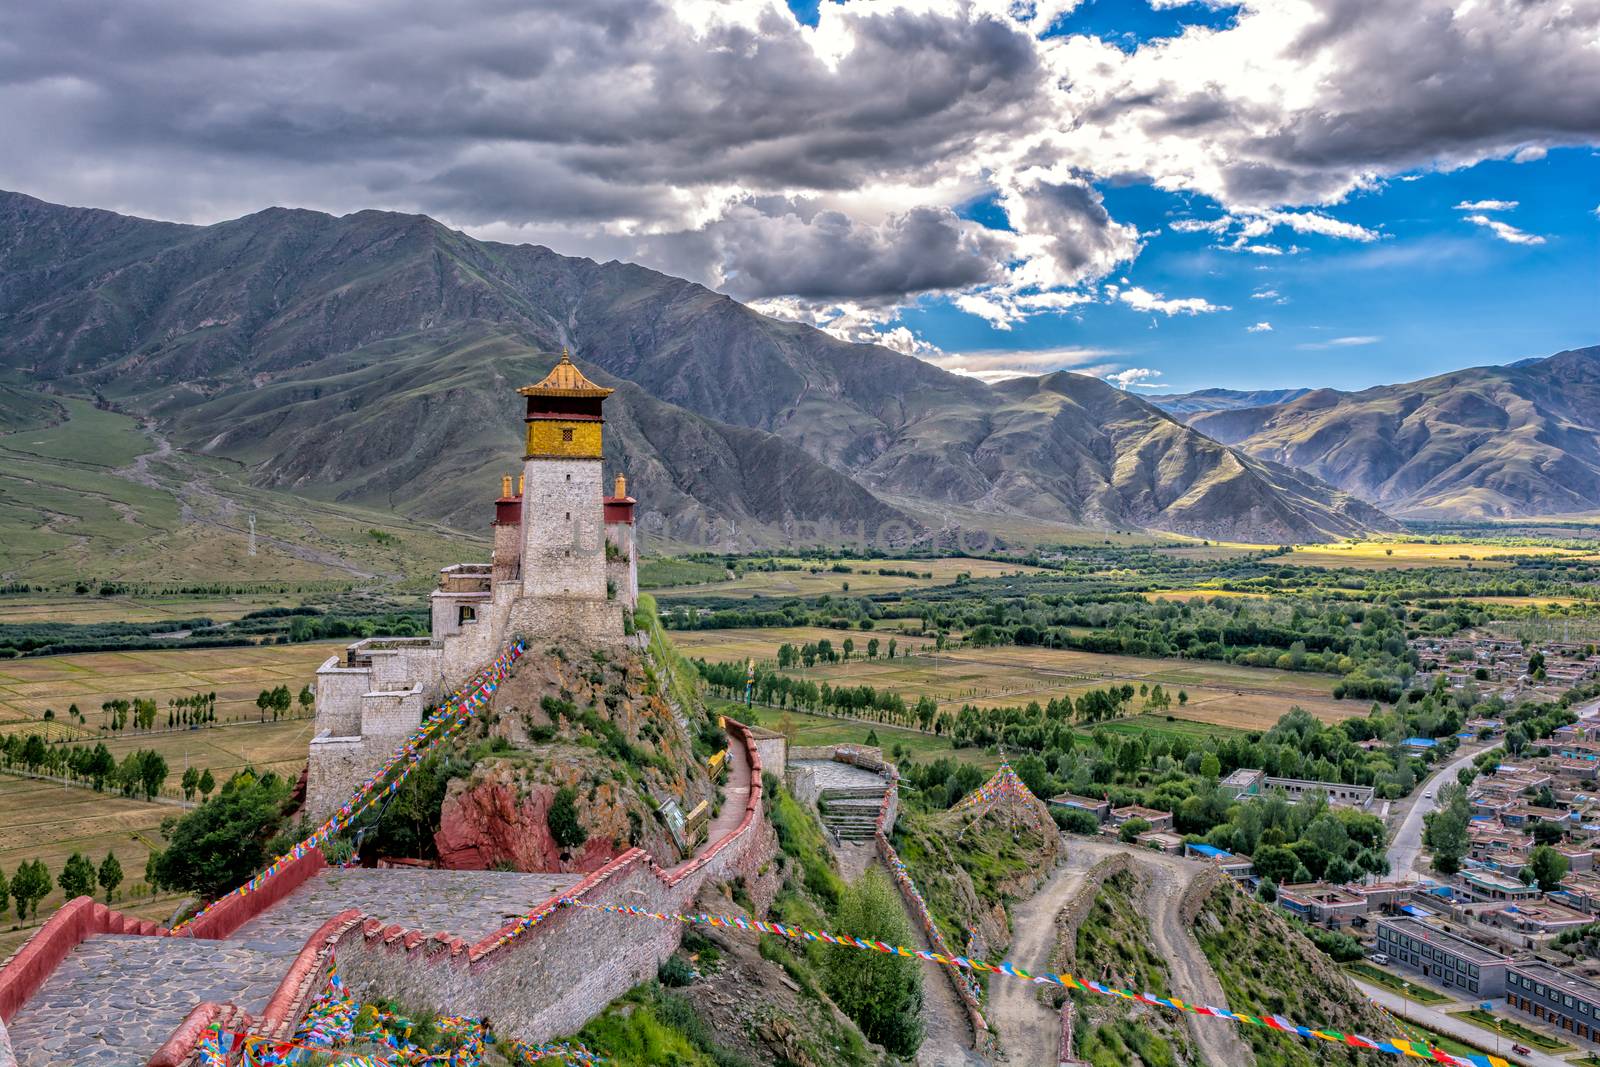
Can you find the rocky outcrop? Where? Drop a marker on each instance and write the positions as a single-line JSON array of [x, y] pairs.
[[500, 816], [591, 722]]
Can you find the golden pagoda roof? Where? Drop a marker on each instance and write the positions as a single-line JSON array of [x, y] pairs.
[[565, 379]]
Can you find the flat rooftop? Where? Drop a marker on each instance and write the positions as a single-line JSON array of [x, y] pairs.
[[1460, 946], [1552, 975]]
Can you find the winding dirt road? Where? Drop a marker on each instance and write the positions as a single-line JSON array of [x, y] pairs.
[[1029, 1032]]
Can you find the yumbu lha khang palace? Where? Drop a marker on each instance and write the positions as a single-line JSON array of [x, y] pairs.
[[563, 566]]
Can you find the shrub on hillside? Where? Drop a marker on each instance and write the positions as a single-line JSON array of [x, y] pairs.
[[883, 994], [220, 844]]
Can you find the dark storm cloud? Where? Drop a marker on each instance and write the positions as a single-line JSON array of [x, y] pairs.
[[829, 257], [722, 140]]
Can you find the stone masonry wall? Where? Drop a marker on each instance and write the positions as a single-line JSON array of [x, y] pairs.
[[563, 971], [563, 535], [339, 691], [334, 767], [388, 717]]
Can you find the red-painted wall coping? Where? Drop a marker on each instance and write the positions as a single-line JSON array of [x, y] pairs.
[[71, 925], [290, 998], [234, 911], [752, 808]]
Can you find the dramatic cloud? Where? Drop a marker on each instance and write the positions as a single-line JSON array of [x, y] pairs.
[[1144, 300], [830, 166], [1505, 231]]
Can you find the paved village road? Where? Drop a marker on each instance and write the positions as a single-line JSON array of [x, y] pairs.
[[1449, 1025], [1406, 847]]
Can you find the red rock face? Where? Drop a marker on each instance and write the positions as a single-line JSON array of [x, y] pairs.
[[486, 825]]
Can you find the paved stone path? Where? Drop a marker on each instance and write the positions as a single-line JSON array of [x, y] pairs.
[[834, 775], [116, 998], [734, 795]]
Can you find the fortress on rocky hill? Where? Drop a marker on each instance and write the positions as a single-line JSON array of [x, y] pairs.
[[564, 567]]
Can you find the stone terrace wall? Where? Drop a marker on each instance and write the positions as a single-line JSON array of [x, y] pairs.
[[563, 971]]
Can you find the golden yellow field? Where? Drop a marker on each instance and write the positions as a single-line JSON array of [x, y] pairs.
[[1380, 555], [864, 580], [1247, 698]]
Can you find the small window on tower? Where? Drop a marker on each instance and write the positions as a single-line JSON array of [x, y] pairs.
[[566, 433]]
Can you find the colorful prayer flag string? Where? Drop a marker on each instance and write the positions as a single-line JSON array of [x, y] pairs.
[[1401, 1047]]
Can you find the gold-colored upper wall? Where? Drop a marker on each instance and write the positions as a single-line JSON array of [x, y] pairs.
[[553, 439]]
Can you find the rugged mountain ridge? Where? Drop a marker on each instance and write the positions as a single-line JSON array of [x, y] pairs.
[[1481, 443], [370, 358]]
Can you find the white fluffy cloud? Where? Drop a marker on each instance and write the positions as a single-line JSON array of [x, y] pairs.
[[1260, 327], [1134, 377], [1141, 299], [1505, 231], [1487, 205], [827, 166]]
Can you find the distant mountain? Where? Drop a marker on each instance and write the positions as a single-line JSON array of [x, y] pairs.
[[1488, 442], [1186, 405], [372, 358]]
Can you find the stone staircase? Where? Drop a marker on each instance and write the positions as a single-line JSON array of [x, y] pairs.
[[117, 997], [851, 812]]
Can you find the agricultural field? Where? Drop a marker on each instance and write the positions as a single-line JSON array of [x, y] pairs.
[[30, 685], [45, 821], [825, 730], [45, 607], [1410, 555], [1220, 694], [48, 821], [862, 579], [762, 644]]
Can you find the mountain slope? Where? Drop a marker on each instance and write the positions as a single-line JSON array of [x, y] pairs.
[[1186, 405], [1487, 442], [371, 358]]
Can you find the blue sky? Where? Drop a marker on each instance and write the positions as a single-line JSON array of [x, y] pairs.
[[1435, 293]]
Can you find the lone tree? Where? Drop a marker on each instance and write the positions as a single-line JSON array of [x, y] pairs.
[[1445, 830], [77, 877], [562, 818], [207, 784], [1548, 866], [110, 874], [30, 885], [191, 782]]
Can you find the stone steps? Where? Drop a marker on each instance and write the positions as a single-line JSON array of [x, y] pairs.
[[850, 814], [117, 997]]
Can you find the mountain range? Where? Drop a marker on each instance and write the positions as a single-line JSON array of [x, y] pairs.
[[1495, 442], [372, 359]]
